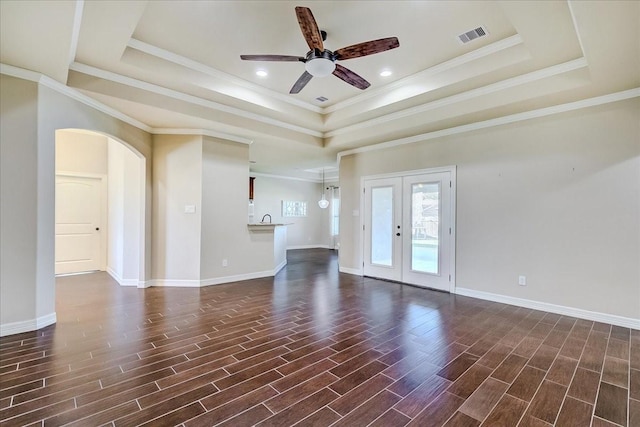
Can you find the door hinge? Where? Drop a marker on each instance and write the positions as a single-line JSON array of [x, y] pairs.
[[449, 277], [364, 190], [449, 184], [449, 230], [362, 227]]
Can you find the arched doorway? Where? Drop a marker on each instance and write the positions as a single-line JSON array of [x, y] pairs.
[[100, 206]]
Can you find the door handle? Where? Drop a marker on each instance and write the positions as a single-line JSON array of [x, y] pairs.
[[97, 228], [397, 234]]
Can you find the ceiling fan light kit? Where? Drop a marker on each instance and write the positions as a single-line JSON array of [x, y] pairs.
[[320, 67], [320, 62]]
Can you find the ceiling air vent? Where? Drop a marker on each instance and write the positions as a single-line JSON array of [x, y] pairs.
[[322, 99], [472, 35]]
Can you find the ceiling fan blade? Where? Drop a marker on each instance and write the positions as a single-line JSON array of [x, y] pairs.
[[350, 77], [287, 58], [367, 48], [309, 28], [301, 83]]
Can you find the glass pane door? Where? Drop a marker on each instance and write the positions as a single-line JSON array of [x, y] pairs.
[[428, 247], [382, 226], [407, 229], [425, 227], [382, 233]]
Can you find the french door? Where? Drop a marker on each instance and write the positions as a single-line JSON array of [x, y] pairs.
[[408, 229]]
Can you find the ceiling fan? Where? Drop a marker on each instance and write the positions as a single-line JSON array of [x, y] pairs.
[[320, 62]]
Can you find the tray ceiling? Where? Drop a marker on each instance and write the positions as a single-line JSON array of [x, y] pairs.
[[176, 65]]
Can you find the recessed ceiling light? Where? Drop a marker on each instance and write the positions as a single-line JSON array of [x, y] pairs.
[[385, 73], [262, 73]]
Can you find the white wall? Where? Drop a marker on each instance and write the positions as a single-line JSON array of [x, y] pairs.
[[19, 150], [177, 182], [310, 231], [115, 208], [133, 260], [556, 199], [213, 176], [125, 219], [225, 235], [81, 152], [31, 114]]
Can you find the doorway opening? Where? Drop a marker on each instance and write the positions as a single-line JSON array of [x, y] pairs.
[[100, 206]]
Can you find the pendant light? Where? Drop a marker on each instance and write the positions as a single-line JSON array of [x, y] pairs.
[[323, 203]]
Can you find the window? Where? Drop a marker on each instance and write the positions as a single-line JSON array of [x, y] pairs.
[[294, 208]]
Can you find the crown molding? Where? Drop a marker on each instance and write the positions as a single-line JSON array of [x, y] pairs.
[[513, 118], [21, 73], [203, 132], [213, 72], [436, 69], [294, 178], [461, 60], [194, 100], [466, 96]]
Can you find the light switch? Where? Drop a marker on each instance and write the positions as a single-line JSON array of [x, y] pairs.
[[189, 209]]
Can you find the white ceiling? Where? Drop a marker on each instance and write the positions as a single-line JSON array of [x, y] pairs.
[[176, 65]]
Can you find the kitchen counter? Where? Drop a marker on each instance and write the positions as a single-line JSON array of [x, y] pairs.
[[275, 235], [266, 224]]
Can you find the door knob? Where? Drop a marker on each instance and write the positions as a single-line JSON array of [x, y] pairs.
[[97, 228], [397, 234]]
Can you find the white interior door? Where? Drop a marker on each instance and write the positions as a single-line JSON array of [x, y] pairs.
[[408, 229], [78, 222]]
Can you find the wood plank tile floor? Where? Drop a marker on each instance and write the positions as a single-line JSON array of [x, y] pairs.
[[312, 347]]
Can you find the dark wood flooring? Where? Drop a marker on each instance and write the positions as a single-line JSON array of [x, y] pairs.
[[313, 347]]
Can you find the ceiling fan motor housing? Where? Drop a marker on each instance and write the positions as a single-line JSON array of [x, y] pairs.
[[320, 64]]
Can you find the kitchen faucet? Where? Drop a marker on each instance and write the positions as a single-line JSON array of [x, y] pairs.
[[265, 215]]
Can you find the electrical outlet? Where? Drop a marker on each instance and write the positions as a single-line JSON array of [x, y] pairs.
[[225, 262], [522, 280]]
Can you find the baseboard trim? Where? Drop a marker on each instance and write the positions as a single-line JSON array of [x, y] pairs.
[[236, 278], [626, 322], [279, 267], [354, 271], [309, 247], [215, 280], [125, 282], [27, 325], [175, 283]]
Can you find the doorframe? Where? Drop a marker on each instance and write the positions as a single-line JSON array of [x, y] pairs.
[[452, 250], [103, 210]]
